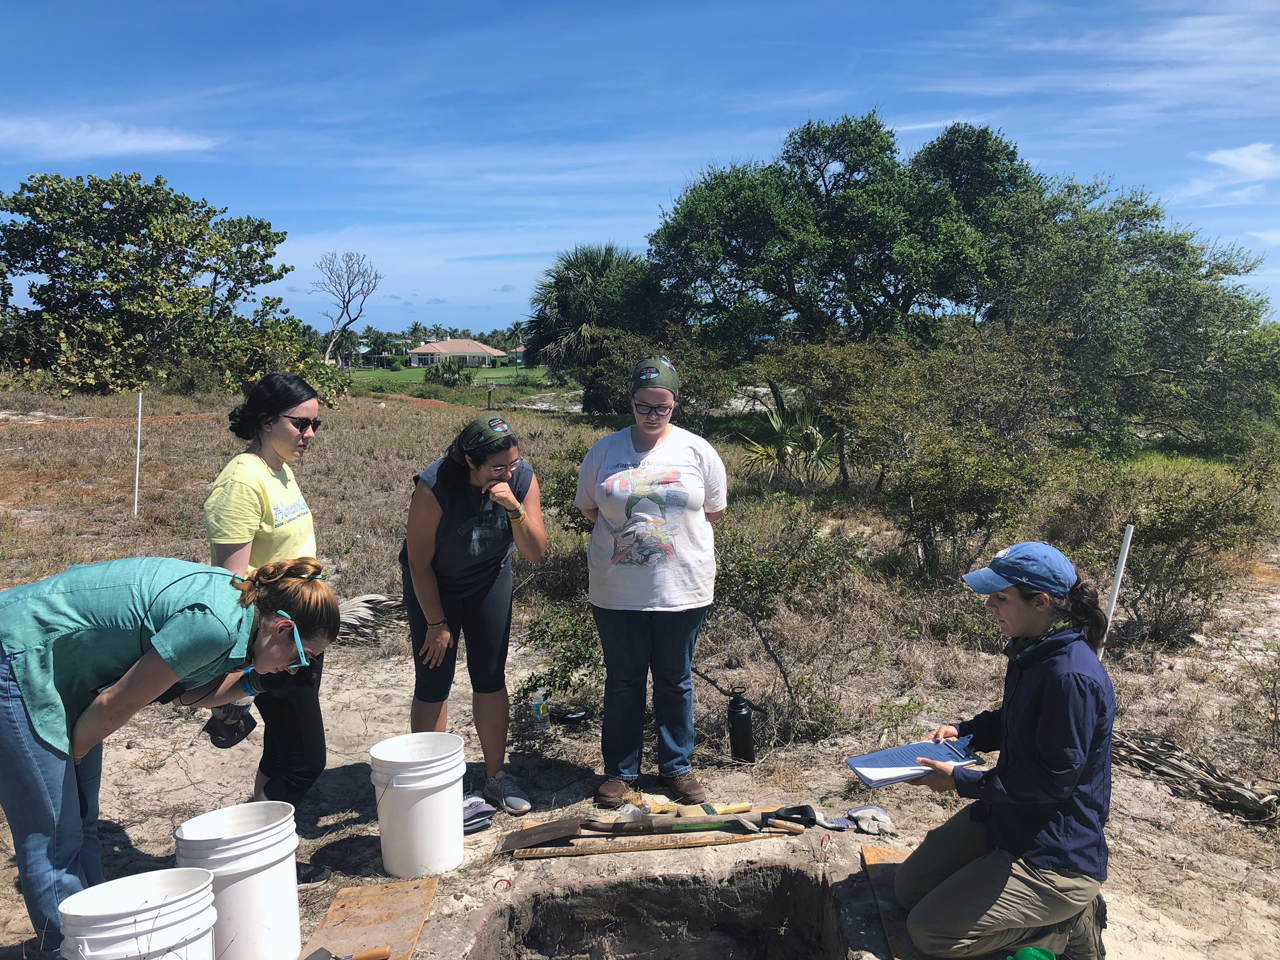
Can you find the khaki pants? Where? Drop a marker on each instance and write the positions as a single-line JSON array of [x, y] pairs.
[[966, 898]]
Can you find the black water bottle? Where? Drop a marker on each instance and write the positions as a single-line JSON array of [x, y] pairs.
[[742, 738]]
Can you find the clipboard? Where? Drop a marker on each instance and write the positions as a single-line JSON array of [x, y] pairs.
[[898, 764]]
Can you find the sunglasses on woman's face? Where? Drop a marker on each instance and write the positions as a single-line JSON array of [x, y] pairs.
[[301, 423], [645, 410]]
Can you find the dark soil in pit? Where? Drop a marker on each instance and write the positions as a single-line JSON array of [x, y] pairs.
[[775, 912]]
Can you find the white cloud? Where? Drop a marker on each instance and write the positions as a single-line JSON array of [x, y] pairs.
[[1219, 61], [933, 124], [73, 139], [1241, 179], [1269, 237], [1258, 161]]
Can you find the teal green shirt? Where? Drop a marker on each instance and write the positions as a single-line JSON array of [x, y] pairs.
[[83, 629]]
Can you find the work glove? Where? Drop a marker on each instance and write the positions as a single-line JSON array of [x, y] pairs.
[[872, 820]]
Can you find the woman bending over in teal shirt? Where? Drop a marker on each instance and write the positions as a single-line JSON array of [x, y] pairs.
[[83, 651]]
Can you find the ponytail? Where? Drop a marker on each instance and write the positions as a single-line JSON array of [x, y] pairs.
[[1084, 609], [294, 587]]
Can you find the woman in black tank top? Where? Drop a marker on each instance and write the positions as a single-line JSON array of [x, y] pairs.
[[470, 511]]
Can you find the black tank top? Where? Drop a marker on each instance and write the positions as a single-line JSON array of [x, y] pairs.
[[473, 541]]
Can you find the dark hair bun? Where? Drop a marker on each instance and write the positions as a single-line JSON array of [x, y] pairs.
[[269, 397]]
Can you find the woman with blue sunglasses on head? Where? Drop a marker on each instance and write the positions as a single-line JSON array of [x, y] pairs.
[[83, 651]]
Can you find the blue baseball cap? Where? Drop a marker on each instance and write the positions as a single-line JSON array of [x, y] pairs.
[[1035, 564]]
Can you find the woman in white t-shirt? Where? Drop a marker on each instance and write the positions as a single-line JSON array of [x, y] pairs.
[[653, 491]]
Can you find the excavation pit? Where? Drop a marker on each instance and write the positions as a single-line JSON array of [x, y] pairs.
[[774, 911]]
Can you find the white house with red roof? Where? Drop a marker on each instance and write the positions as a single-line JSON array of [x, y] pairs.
[[471, 353]]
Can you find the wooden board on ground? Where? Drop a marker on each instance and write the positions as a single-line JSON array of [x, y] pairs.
[[585, 846], [881, 865], [380, 915]]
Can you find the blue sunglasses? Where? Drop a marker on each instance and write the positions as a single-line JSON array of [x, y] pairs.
[[302, 654]]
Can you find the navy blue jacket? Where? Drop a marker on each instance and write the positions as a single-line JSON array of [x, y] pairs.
[[1047, 798]]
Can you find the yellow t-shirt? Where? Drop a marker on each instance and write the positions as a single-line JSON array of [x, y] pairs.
[[250, 502]]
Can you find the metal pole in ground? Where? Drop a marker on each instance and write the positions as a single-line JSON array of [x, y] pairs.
[[137, 457], [1115, 583]]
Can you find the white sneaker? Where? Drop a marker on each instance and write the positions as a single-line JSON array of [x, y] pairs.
[[504, 793]]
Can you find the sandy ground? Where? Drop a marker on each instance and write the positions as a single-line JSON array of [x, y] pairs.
[[1186, 880]]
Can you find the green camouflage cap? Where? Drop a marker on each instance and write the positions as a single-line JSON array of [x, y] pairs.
[[476, 434], [656, 371]]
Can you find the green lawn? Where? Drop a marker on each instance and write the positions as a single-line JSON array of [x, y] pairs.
[[414, 374]]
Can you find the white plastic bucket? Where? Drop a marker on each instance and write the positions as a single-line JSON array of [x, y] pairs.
[[165, 913], [417, 779], [249, 849]]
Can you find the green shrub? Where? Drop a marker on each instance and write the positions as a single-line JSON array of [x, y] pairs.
[[565, 633], [795, 447], [953, 497], [194, 377], [449, 373], [1188, 522]]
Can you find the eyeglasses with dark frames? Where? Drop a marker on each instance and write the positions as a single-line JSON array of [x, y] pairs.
[[645, 410], [301, 423]]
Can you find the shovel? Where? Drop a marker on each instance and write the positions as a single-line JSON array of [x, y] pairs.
[[576, 827]]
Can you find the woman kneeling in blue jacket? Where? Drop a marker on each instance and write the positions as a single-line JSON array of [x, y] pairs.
[[1023, 865]]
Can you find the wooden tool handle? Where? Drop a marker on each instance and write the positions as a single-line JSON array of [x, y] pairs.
[[703, 810], [788, 826], [378, 953]]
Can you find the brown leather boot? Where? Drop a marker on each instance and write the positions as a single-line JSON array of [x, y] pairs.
[[685, 788], [612, 793]]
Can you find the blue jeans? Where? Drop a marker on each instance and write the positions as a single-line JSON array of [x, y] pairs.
[[635, 643], [58, 851]]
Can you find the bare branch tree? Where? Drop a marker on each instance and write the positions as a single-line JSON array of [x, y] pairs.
[[349, 280]]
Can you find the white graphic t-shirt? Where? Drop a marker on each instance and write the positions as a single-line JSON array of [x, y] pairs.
[[652, 547]]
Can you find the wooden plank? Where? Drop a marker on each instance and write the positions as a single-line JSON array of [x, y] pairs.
[[881, 865], [586, 846], [379, 915]]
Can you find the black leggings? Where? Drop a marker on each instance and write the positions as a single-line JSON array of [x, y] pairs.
[[293, 747], [484, 618]]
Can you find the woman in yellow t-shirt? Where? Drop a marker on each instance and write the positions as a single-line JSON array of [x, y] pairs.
[[256, 514]]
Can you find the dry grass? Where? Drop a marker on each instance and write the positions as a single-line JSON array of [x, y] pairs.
[[879, 661], [66, 490]]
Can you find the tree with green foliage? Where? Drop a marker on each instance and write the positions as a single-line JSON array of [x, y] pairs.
[[132, 278], [597, 310], [587, 290], [842, 236], [378, 341], [1148, 332]]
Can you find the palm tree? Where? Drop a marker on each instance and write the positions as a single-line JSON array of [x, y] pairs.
[[565, 303], [415, 334]]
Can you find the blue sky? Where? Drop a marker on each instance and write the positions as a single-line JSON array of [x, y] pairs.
[[461, 146]]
